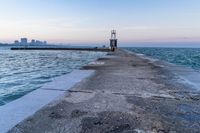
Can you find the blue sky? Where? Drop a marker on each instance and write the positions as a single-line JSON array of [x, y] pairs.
[[90, 21]]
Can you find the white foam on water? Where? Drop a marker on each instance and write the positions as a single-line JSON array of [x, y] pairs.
[[188, 76], [148, 58], [143, 56], [18, 110]]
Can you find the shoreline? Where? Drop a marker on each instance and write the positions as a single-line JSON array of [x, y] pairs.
[[39, 98], [186, 75], [125, 94]]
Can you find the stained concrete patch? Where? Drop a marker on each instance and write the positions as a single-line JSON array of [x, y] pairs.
[[162, 95], [109, 122], [77, 113], [78, 97], [170, 113], [55, 115]]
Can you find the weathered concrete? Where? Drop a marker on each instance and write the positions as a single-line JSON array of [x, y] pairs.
[[16, 111], [127, 94]]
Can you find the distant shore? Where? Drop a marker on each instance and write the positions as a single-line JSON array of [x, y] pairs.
[[126, 93]]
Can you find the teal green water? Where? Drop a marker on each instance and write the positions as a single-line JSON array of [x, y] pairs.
[[189, 57], [24, 71]]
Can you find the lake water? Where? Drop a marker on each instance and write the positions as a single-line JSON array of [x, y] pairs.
[[188, 57], [24, 71]]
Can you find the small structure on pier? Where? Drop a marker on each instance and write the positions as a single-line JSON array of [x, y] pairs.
[[113, 40]]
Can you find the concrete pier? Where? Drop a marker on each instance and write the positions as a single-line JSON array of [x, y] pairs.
[[127, 94]]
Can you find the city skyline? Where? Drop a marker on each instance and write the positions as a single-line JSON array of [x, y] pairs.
[[90, 21], [26, 41]]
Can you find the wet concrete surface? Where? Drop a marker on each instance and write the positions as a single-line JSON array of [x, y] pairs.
[[127, 94]]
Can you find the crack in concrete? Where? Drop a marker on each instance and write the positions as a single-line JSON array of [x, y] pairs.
[[71, 91]]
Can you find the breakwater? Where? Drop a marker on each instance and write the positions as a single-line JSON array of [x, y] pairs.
[[126, 93], [57, 48]]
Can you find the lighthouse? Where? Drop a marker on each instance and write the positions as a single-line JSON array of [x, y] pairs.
[[113, 40]]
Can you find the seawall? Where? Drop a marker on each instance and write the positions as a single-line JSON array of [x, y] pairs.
[[58, 48], [127, 94], [16, 111]]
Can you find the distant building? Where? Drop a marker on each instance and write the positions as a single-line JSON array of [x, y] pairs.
[[33, 42], [24, 41], [16, 42], [39, 42], [45, 42]]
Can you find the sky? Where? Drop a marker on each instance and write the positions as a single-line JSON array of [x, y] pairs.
[[90, 21]]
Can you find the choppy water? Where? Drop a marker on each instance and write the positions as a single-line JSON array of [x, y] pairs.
[[24, 71], [189, 57]]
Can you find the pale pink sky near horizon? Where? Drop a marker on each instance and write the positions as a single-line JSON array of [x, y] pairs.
[[90, 21]]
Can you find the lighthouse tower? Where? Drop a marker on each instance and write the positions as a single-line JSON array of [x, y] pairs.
[[113, 40]]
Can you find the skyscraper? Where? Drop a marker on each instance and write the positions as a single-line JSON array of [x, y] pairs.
[[16, 42], [24, 41], [33, 42]]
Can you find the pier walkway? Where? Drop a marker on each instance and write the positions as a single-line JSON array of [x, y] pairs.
[[127, 94]]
